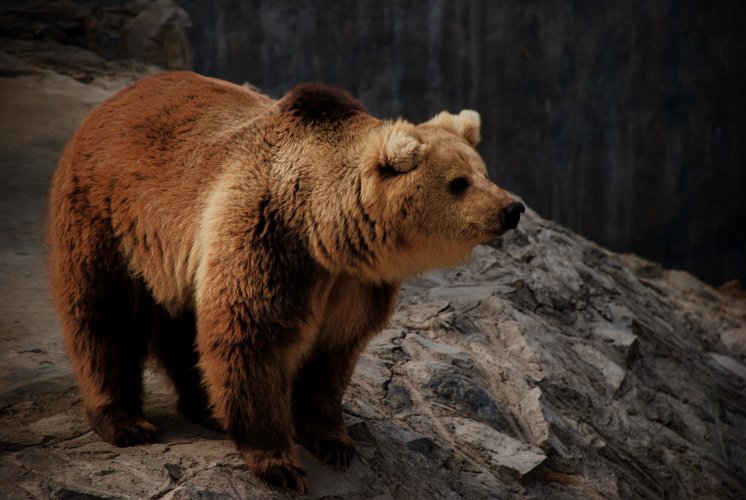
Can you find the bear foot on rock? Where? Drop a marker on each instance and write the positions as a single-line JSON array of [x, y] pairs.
[[331, 450], [279, 468], [120, 428]]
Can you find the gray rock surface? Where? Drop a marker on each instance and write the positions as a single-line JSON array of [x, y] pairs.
[[548, 367]]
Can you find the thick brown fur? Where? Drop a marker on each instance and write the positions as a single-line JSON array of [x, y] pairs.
[[253, 247]]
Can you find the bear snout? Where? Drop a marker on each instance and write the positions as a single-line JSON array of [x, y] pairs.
[[512, 215]]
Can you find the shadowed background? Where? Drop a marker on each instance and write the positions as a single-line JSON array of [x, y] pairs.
[[622, 120]]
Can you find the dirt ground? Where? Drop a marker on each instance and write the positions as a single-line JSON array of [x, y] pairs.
[[35, 125]]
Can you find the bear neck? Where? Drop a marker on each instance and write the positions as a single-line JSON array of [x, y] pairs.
[[342, 236]]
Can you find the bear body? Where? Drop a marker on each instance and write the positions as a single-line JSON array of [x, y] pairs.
[[253, 247]]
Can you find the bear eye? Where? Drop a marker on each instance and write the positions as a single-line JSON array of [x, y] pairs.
[[458, 185]]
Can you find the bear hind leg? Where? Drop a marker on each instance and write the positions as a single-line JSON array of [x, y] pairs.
[[107, 343], [106, 333]]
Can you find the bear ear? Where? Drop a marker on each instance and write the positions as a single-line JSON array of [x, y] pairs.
[[400, 150], [466, 124]]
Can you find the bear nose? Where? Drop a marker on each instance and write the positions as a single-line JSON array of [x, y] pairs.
[[512, 214]]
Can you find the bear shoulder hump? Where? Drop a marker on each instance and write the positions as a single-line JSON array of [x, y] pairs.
[[316, 103]]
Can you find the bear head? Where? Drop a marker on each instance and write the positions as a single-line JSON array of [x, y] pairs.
[[430, 187]]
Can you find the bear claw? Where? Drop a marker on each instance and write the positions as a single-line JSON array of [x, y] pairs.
[[284, 477], [278, 468], [121, 429], [332, 451]]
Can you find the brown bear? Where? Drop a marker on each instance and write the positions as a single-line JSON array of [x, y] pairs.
[[253, 247]]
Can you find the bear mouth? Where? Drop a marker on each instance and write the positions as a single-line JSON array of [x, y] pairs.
[[498, 229], [487, 231], [498, 232]]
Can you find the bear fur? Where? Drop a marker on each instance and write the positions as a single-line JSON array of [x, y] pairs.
[[252, 247]]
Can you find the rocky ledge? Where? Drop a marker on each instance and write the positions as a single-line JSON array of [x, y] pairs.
[[553, 368]]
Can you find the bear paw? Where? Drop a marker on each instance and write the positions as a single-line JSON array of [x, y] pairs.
[[332, 450], [279, 469], [120, 428]]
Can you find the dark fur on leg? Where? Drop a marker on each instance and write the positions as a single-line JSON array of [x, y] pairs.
[[317, 407], [175, 349]]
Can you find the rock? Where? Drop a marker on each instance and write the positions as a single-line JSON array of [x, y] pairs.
[[174, 471], [603, 362], [15, 66], [622, 339], [358, 429], [452, 392], [413, 440], [612, 373], [60, 426], [68, 494], [374, 370], [542, 424], [88, 41], [438, 351], [729, 364], [157, 34], [510, 457]]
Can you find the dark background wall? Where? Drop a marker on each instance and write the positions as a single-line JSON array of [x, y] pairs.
[[624, 120]]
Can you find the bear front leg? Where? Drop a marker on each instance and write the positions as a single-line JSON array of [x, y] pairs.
[[247, 372], [354, 313], [317, 405]]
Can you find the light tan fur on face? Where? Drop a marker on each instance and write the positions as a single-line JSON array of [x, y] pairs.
[[443, 150]]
